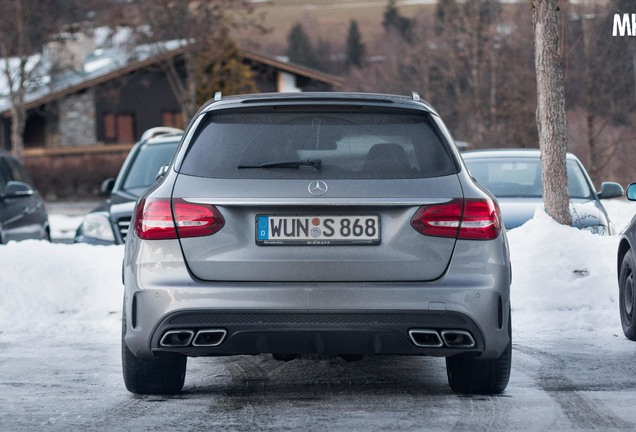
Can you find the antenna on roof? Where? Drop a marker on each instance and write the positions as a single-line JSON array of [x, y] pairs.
[[415, 96], [217, 96]]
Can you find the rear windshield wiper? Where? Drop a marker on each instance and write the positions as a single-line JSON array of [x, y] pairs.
[[317, 164]]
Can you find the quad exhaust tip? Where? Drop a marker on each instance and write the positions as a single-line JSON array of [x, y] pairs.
[[184, 338], [426, 338], [177, 338], [209, 338], [458, 339]]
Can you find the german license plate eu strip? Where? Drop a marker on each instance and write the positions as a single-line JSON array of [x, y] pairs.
[[316, 230]]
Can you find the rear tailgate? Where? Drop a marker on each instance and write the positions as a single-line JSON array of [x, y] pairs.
[[393, 252]]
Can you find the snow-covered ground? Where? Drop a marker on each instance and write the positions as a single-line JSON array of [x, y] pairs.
[[564, 279], [572, 367]]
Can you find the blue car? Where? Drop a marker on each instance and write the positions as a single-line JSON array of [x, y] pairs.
[[514, 178]]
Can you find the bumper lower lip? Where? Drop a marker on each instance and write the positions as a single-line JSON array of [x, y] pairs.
[[200, 333]]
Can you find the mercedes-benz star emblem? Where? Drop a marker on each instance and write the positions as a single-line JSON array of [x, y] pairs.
[[318, 187]]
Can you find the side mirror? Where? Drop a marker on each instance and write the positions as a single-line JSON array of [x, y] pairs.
[[162, 171], [610, 190], [107, 186], [631, 192], [18, 189]]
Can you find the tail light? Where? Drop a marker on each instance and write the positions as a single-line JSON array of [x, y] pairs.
[[469, 219], [163, 219]]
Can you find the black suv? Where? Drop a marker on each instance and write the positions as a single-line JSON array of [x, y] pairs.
[[22, 212], [108, 223]]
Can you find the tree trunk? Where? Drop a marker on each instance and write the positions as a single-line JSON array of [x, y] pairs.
[[551, 117], [18, 112], [18, 121]]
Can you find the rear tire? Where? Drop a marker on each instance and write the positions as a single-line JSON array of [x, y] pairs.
[[165, 374], [627, 295], [468, 374]]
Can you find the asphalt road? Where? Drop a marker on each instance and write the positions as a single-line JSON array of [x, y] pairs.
[[70, 379]]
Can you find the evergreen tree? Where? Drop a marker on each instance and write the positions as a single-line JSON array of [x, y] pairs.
[[394, 22], [220, 67], [299, 47], [355, 48]]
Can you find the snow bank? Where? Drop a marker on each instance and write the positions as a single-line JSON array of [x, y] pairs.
[[564, 280], [44, 284], [64, 227]]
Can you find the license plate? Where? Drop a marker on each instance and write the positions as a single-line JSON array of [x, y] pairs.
[[318, 230]]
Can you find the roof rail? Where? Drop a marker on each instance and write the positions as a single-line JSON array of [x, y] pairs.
[[160, 130], [415, 96], [218, 96]]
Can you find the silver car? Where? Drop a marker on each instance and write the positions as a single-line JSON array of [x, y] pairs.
[[322, 224]]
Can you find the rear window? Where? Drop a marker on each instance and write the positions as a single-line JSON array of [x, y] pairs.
[[521, 177], [342, 145]]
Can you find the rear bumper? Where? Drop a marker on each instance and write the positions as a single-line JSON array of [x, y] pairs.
[[317, 332], [324, 318], [382, 323]]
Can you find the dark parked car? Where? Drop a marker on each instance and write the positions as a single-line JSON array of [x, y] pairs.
[[626, 272], [322, 224], [22, 212], [109, 222], [514, 177]]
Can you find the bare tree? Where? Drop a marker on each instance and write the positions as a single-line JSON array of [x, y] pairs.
[[201, 32], [599, 88], [551, 115], [515, 122], [23, 30], [26, 26]]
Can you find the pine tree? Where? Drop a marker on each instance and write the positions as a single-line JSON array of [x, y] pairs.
[[220, 68], [299, 47], [394, 22], [356, 50]]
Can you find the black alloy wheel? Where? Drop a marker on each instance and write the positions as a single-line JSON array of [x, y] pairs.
[[627, 295]]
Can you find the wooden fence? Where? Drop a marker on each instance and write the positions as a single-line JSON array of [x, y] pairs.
[[74, 173]]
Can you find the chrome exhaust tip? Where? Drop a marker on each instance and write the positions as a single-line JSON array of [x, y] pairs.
[[458, 339], [426, 338], [209, 337], [176, 338]]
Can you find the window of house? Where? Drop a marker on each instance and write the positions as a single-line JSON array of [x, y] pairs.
[[172, 118], [119, 128]]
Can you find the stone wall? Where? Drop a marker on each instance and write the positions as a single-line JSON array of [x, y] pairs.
[[77, 123]]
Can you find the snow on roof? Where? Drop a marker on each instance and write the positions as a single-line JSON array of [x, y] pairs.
[[33, 62], [113, 51]]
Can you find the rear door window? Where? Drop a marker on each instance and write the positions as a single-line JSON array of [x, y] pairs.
[[150, 158], [314, 144]]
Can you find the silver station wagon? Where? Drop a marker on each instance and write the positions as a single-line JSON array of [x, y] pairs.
[[323, 224]]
